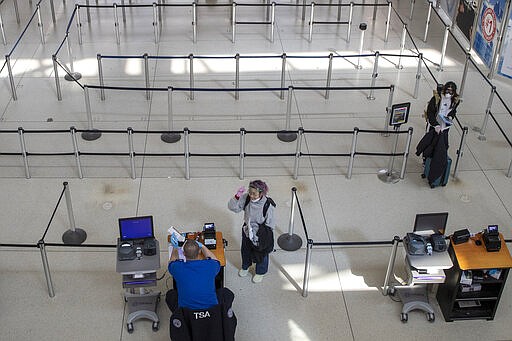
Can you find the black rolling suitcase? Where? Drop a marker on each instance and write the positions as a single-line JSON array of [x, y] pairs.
[[443, 179]]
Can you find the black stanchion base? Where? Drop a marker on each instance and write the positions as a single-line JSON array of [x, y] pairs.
[[286, 136], [76, 237], [73, 76], [170, 137], [388, 177], [91, 135], [289, 243]]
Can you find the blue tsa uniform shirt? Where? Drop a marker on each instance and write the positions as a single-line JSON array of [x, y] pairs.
[[195, 281]]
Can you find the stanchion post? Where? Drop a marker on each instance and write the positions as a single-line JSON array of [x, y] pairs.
[[283, 74], [418, 76], [242, 153], [146, 75], [290, 241], [191, 75], [427, 23], [391, 266], [116, 24], [76, 151], [56, 75], [311, 21], [91, 133], [464, 74], [375, 74], [75, 235], [11, 77], [298, 153], [460, 151], [402, 46], [272, 21], [155, 21], [362, 27], [406, 152], [443, 49], [52, 9], [40, 23], [71, 76], [481, 137], [411, 13], [131, 152], [170, 136], [285, 135], [303, 10], [233, 22], [329, 76], [388, 175], [2, 30], [388, 19], [78, 24], [352, 153], [338, 18], [46, 268], [237, 76], [186, 146], [100, 76], [374, 16], [123, 10], [349, 24], [16, 11], [88, 11], [388, 108], [307, 268], [194, 22], [23, 147], [509, 172]]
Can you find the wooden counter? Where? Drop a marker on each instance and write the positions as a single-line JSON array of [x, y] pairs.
[[471, 256]]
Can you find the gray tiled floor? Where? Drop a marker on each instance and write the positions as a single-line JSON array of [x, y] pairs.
[[344, 300]]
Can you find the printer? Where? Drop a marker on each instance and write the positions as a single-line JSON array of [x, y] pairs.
[[492, 239]]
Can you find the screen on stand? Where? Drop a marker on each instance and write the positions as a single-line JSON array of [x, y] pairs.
[[136, 228], [430, 223]]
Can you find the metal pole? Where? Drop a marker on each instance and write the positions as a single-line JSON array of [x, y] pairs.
[[46, 267], [76, 151], [272, 22], [388, 108], [187, 152], [298, 153], [406, 152], [70, 55], [418, 76], [350, 13], [289, 107], [292, 211], [2, 30], [11, 78], [303, 10], [392, 157], [131, 151], [123, 10], [23, 147], [100, 76], [88, 11], [69, 205], [155, 22], [242, 153], [170, 136], [194, 22], [88, 108], [78, 24], [307, 268], [116, 24], [481, 137], [388, 19], [329, 76], [40, 23], [57, 80], [17, 11], [443, 49], [402, 46], [428, 21], [233, 22], [146, 75], [460, 151], [237, 76], [352, 153], [191, 75], [509, 172], [374, 76], [391, 266], [338, 18], [311, 21], [464, 74], [283, 74], [52, 9], [362, 27], [374, 16], [412, 9]]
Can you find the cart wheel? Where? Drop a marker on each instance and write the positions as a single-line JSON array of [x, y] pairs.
[[431, 317], [129, 326], [423, 176], [155, 326], [391, 291], [403, 317]]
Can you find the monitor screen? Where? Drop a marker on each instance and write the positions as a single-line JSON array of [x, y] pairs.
[[136, 228], [430, 223]]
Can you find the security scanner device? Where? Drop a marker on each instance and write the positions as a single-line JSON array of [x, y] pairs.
[[492, 239], [426, 258], [138, 260], [209, 237]]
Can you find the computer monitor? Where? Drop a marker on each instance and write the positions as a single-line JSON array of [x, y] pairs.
[[136, 228], [430, 223]]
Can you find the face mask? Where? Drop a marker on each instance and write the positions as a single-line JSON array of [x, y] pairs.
[[448, 95], [255, 200]]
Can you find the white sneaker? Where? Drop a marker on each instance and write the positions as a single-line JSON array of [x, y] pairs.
[[243, 273], [257, 278]]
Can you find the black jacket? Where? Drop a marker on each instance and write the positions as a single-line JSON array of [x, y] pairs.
[[434, 146]]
